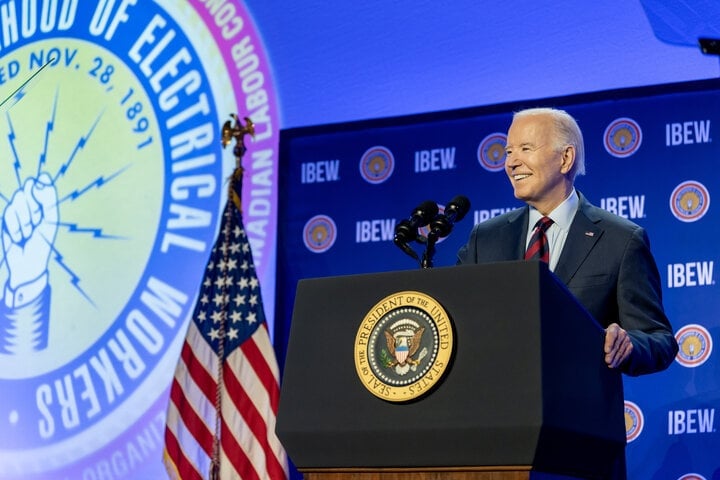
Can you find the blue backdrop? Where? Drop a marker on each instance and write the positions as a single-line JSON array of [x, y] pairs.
[[650, 158]]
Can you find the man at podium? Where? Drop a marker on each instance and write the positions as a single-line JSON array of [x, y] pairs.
[[603, 259]]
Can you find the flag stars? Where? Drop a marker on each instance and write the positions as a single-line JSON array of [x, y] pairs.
[[243, 283], [217, 316], [253, 300], [254, 283], [234, 248], [214, 334], [204, 299], [245, 265], [236, 317], [201, 316], [232, 264], [218, 299], [251, 318], [239, 300], [222, 265], [232, 334]]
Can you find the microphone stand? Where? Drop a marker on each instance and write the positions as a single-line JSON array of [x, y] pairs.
[[427, 260]]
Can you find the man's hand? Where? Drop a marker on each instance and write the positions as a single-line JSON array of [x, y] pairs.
[[618, 346], [30, 222]]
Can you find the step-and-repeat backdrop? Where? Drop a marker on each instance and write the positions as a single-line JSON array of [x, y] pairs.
[[651, 158]]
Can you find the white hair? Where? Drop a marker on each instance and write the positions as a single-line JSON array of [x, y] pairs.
[[567, 133]]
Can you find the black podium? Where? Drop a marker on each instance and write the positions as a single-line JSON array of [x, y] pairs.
[[527, 389]]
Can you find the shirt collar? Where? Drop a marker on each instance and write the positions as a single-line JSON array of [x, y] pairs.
[[563, 214]]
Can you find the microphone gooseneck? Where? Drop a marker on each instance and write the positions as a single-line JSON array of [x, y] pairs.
[[439, 225]]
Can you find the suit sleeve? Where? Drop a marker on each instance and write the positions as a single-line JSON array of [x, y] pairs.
[[467, 254], [640, 309]]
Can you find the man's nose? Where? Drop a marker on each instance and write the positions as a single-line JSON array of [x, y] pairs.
[[511, 160]]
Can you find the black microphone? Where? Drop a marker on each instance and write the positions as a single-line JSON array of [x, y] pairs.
[[407, 230], [455, 211]]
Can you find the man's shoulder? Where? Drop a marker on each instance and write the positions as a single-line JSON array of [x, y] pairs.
[[608, 220]]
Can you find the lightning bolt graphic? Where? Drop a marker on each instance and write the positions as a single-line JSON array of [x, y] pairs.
[[11, 140], [96, 232], [19, 93], [48, 128], [80, 145], [74, 279], [97, 183]]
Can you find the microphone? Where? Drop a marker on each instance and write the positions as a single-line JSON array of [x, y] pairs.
[[407, 230], [455, 211]]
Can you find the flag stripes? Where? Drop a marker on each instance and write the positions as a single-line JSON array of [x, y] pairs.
[[227, 377]]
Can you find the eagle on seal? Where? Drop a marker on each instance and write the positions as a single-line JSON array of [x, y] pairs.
[[403, 346]]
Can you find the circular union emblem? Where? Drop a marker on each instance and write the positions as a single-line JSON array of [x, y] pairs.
[[695, 345], [692, 476], [491, 152], [622, 137], [377, 164], [319, 233], [689, 201], [111, 139], [403, 346], [634, 421]]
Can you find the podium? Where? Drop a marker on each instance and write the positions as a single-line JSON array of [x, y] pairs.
[[527, 394]]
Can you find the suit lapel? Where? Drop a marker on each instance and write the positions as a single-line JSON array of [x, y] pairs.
[[513, 234], [582, 237]]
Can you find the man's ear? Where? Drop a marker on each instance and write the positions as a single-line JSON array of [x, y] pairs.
[[568, 159]]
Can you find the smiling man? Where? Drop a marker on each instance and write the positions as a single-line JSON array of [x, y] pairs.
[[604, 260]]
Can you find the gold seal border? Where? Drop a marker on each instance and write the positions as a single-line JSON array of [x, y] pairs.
[[446, 340]]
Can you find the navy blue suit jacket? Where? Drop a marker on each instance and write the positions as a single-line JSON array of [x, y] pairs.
[[607, 265]]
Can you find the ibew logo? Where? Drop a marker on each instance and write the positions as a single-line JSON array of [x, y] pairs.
[[102, 258], [690, 274], [320, 171], [697, 420], [482, 215], [435, 160], [687, 133], [631, 206], [379, 230]]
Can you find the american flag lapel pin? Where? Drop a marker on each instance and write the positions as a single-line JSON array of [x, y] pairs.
[[589, 234]]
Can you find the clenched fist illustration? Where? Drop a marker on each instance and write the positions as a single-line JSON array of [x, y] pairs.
[[30, 223]]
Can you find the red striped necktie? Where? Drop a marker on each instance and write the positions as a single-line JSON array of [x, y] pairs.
[[538, 247]]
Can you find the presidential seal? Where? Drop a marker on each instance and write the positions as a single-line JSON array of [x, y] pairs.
[[403, 346]]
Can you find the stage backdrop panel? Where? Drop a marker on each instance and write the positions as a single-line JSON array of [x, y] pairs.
[[650, 158]]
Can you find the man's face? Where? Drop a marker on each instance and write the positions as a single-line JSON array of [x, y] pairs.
[[535, 167]]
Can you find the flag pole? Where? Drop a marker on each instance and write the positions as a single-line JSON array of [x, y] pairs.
[[229, 132]]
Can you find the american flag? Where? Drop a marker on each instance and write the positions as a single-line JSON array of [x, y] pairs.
[[221, 415]]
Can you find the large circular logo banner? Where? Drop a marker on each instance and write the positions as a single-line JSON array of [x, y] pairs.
[[113, 182]]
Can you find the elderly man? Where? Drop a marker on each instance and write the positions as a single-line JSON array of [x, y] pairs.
[[604, 260]]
